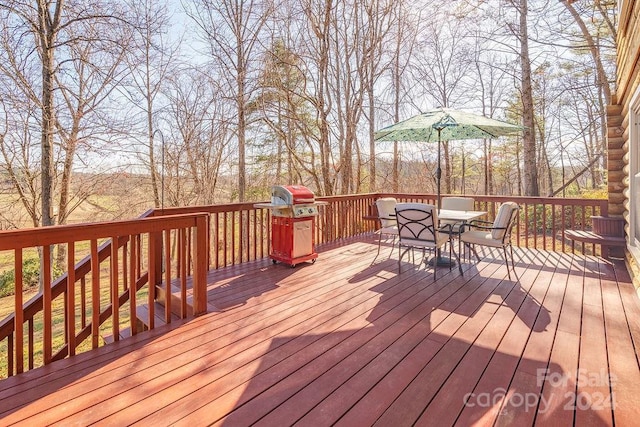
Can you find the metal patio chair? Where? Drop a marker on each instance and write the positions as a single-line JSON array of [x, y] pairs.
[[494, 235], [387, 216], [417, 229]]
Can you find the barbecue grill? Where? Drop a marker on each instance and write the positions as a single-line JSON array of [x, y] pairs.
[[293, 211]]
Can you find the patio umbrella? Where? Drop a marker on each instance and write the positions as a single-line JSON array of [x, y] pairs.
[[445, 124]]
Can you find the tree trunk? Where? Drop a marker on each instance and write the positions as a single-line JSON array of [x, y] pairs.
[[395, 180], [48, 28], [151, 131], [372, 143], [530, 166], [240, 104]]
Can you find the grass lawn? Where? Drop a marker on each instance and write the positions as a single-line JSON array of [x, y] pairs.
[[58, 338]]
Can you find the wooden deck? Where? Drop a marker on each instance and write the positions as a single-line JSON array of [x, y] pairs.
[[352, 342]]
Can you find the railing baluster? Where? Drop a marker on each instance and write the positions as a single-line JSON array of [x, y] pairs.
[[526, 225], [32, 347], [544, 227], [19, 316], [125, 276], [216, 236], [167, 276], [254, 216], [583, 222], [83, 301], [553, 227], [562, 217], [535, 226], [234, 252], [247, 237], [182, 241], [152, 268], [133, 262], [225, 231], [47, 304], [189, 269], [71, 298], [138, 256], [95, 294], [115, 294], [10, 355]]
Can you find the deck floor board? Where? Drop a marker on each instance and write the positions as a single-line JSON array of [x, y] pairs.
[[350, 341]]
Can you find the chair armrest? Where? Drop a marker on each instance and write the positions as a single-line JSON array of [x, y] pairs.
[[483, 225], [479, 221]]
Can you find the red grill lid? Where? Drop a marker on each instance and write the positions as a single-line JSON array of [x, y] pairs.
[[293, 194]]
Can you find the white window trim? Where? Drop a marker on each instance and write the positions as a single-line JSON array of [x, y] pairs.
[[634, 169]]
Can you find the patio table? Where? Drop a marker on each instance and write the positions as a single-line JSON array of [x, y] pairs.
[[457, 216]]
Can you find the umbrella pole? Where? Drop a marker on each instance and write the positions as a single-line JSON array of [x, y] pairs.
[[440, 260], [438, 173]]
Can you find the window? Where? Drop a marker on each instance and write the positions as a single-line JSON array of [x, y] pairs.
[[634, 174]]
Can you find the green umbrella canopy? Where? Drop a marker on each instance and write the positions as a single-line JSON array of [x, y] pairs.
[[454, 124], [445, 124]]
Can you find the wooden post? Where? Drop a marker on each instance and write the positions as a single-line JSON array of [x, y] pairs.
[[200, 263], [155, 272]]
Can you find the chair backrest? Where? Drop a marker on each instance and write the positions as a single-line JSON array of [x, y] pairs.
[[417, 221], [386, 211], [457, 203], [504, 221]]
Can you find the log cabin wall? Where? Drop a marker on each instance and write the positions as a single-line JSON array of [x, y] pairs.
[[618, 120]]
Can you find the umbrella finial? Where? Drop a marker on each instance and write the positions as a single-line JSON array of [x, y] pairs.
[[445, 122]]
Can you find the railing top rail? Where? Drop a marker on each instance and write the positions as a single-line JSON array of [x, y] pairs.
[[31, 237], [248, 206], [523, 199], [236, 207]]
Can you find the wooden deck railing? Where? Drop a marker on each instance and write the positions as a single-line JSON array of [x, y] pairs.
[[83, 299], [169, 245], [240, 232], [543, 220]]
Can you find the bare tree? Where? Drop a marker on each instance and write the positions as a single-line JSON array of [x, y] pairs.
[[281, 105], [66, 43], [97, 67], [43, 21], [197, 145], [597, 38], [19, 157], [152, 57], [232, 31], [442, 71], [401, 53], [492, 75], [347, 87], [376, 19], [319, 15], [530, 163]]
